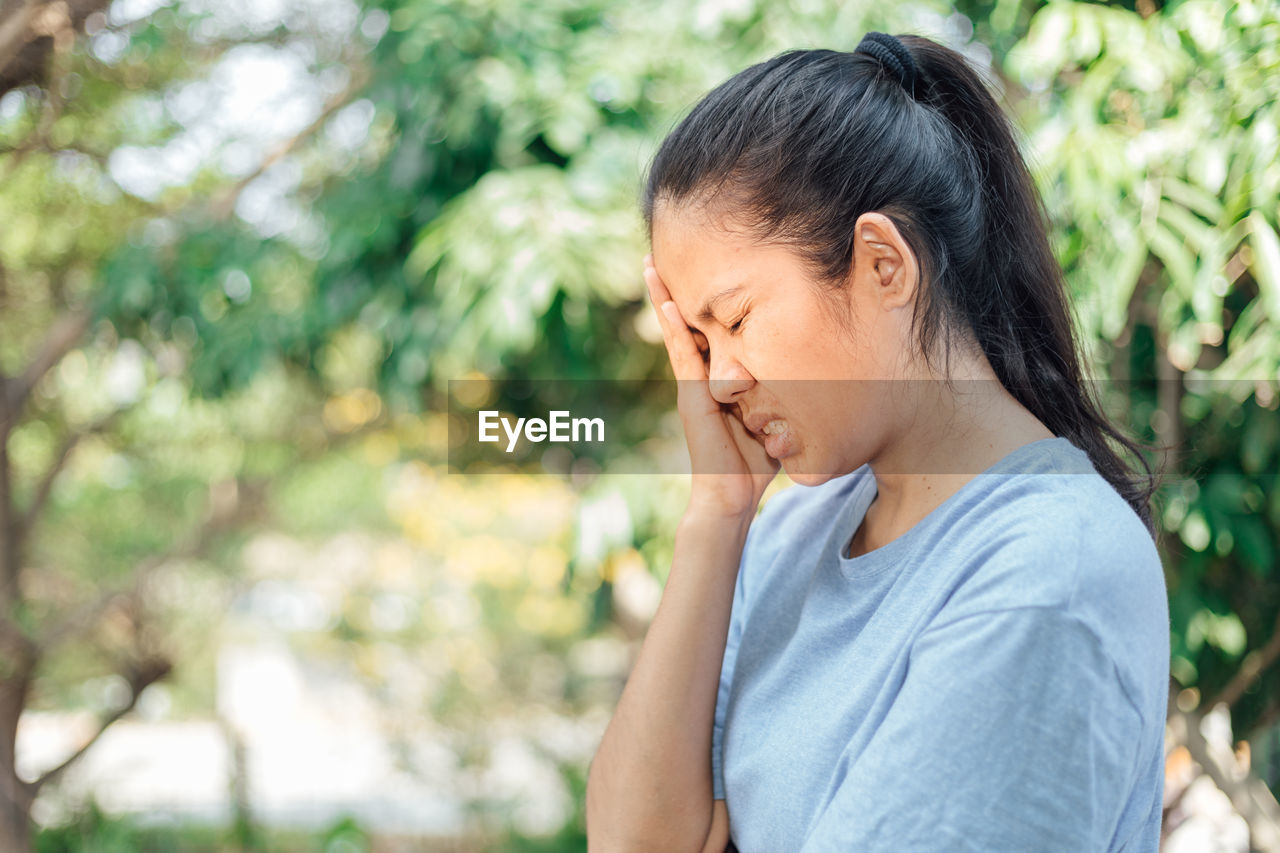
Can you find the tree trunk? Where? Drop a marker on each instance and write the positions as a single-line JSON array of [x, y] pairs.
[[15, 829], [15, 794], [17, 656]]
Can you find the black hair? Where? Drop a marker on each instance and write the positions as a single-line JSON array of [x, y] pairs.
[[796, 148]]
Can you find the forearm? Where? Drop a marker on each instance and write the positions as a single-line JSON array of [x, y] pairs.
[[649, 787]]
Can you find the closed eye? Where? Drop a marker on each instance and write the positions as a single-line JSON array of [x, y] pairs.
[[733, 330]]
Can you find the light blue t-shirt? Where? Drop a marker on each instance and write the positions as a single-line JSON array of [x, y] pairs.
[[995, 679]]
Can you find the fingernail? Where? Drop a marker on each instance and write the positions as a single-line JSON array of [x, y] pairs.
[[669, 308]]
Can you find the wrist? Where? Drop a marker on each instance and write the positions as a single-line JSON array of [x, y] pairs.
[[708, 518]]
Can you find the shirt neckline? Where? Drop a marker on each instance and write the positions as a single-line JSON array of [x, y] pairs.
[[889, 554]]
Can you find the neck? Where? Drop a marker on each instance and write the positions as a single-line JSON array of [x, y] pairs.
[[950, 436]]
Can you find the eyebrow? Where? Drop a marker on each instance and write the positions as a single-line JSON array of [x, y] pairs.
[[706, 312]]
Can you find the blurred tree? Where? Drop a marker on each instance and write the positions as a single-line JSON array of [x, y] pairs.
[[31, 31], [112, 479]]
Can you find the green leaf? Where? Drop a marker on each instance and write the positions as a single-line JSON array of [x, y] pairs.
[[1254, 542], [1120, 284], [1193, 198], [1199, 235], [1266, 262], [1173, 253]]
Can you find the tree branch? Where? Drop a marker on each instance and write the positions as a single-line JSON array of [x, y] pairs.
[[241, 507], [1249, 795], [1251, 668], [140, 677], [71, 624], [28, 519], [65, 332], [52, 20], [242, 501], [223, 206], [15, 29], [152, 669], [10, 559], [232, 504]]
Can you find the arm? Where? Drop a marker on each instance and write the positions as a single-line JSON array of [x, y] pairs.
[[1011, 731], [649, 787]]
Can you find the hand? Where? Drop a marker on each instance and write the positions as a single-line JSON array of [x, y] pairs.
[[730, 466]]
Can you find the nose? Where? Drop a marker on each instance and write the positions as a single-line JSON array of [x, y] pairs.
[[727, 378]]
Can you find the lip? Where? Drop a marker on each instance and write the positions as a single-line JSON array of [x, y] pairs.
[[755, 423]]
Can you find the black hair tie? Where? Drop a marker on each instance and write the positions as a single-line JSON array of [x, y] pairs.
[[892, 54]]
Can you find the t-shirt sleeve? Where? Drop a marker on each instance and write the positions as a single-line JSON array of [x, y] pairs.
[[1011, 730], [736, 618]]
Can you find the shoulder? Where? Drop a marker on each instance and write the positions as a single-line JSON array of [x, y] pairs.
[[1048, 530], [1070, 543]]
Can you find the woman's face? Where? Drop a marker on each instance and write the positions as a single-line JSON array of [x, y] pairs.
[[779, 350]]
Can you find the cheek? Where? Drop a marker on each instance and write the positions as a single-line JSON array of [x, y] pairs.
[[855, 349], [821, 350], [835, 416]]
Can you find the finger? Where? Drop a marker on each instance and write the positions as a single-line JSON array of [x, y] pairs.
[[758, 460], [686, 358], [657, 305], [682, 350], [657, 287], [657, 291], [658, 295]]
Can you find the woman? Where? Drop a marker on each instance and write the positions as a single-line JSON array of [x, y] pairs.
[[953, 633]]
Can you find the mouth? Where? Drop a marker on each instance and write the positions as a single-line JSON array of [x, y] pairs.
[[774, 432], [766, 423]]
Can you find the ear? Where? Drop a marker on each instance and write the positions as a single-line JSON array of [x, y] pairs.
[[883, 264]]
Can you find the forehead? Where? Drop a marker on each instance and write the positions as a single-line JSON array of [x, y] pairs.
[[698, 256]]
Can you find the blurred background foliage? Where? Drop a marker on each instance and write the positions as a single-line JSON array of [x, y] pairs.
[[244, 248]]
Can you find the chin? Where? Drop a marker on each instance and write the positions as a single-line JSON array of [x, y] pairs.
[[802, 475], [804, 470]]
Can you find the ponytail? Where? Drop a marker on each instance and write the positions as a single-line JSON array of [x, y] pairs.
[[808, 141], [1022, 318]]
